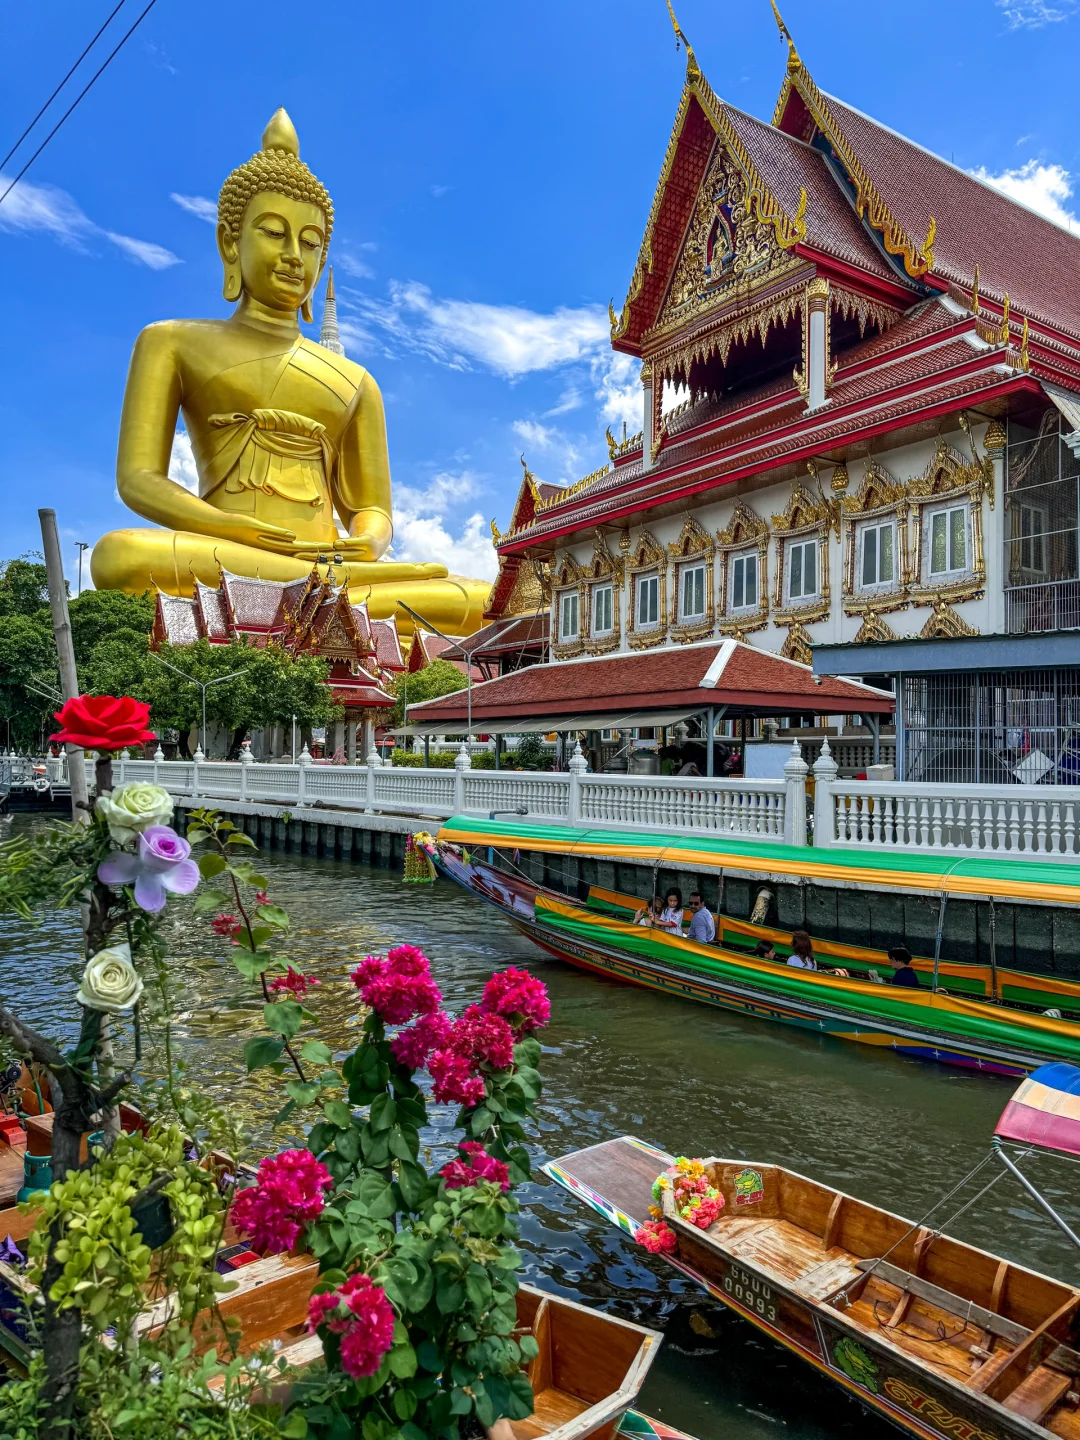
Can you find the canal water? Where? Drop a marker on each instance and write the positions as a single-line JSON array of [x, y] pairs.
[[617, 1061]]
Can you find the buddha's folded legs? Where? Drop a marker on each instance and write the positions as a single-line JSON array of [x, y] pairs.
[[138, 560]]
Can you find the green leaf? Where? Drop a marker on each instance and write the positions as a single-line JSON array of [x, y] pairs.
[[195, 833], [239, 838], [294, 1426], [404, 1144], [522, 1403], [347, 1145], [403, 1362], [244, 870], [208, 900], [427, 1352], [211, 865], [316, 1053], [405, 1401], [249, 965], [263, 1050], [383, 1112], [412, 1181], [273, 915], [338, 1113], [259, 936], [527, 1052], [283, 1017], [376, 1196], [303, 1091], [460, 1402]]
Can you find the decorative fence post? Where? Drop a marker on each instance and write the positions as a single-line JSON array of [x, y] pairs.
[[302, 763], [196, 761], [462, 762], [578, 767], [795, 772], [246, 759], [159, 759], [372, 766], [825, 772]]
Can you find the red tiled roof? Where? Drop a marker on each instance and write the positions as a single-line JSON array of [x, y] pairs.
[[384, 633], [176, 620], [747, 679], [501, 636], [1016, 251]]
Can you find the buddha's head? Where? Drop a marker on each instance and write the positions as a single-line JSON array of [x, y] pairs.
[[274, 224]]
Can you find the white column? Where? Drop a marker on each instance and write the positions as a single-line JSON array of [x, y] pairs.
[[795, 772], [647, 430], [351, 724], [339, 735], [995, 554], [825, 772]]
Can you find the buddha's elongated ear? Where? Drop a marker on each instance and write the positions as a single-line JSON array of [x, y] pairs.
[[306, 312], [230, 260]]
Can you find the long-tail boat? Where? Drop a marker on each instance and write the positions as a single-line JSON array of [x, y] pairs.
[[946, 1340], [969, 1029]]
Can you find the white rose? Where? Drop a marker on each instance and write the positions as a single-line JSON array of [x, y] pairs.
[[131, 808], [109, 981]]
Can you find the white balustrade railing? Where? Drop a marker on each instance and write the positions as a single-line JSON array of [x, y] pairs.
[[1035, 820], [1031, 820]]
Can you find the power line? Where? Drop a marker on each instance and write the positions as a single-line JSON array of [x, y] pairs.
[[78, 97], [59, 87]]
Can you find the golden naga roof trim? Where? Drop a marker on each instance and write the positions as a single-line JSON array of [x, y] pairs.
[[789, 231], [918, 259]]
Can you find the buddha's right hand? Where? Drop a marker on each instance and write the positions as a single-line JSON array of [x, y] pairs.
[[260, 534]]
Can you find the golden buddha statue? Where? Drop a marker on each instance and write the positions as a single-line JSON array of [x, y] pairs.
[[284, 432]]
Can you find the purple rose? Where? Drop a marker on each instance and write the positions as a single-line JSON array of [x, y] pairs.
[[161, 864]]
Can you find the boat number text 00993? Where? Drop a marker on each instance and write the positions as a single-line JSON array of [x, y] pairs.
[[751, 1292]]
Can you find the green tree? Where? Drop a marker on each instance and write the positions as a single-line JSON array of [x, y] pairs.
[[109, 615], [438, 678], [27, 667], [23, 586]]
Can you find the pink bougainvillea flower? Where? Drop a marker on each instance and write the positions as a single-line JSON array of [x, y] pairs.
[[520, 998], [477, 1165], [483, 1039], [412, 1047], [161, 864], [453, 1080], [399, 986], [292, 983], [286, 1195], [361, 1314], [261, 897], [225, 924], [657, 1237]]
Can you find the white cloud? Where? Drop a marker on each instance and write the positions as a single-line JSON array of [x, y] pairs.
[[1034, 14], [508, 339], [563, 453], [422, 531], [353, 266], [197, 205], [1040, 187], [46, 209], [617, 379], [182, 462]]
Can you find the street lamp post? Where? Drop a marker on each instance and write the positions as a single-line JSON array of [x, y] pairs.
[[450, 641], [203, 685], [82, 546]]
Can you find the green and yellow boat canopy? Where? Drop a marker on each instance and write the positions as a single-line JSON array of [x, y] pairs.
[[1002, 876]]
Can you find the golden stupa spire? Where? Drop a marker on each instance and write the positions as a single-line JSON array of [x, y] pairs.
[[693, 70], [785, 34]]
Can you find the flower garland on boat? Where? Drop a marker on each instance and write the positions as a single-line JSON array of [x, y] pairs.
[[697, 1201]]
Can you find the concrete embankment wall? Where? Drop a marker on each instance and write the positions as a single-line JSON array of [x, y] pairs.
[[1043, 939]]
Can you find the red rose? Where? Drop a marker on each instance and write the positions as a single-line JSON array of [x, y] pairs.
[[103, 722]]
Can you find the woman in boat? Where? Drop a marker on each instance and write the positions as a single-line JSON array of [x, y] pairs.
[[802, 952]]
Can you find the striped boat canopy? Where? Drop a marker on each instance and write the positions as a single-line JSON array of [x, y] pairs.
[[1045, 1110], [1004, 876]]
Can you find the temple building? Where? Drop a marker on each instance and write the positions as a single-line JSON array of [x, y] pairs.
[[859, 449], [305, 617]]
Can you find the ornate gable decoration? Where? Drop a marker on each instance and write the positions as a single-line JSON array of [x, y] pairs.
[[948, 473], [604, 565], [744, 528], [878, 491], [945, 624], [531, 591], [804, 512], [693, 540], [648, 554], [568, 572], [874, 628]]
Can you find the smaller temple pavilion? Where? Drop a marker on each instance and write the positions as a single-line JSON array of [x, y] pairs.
[[312, 616]]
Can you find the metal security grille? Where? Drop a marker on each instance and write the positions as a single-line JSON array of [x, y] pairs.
[[1042, 505], [981, 728]]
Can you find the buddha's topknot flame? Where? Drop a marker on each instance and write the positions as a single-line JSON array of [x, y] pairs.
[[277, 166]]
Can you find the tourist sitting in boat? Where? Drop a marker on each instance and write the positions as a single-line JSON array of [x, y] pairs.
[[766, 950], [903, 970], [651, 913], [702, 926], [802, 952], [673, 909]]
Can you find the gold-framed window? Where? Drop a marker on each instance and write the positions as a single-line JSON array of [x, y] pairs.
[[693, 607], [743, 550], [647, 567]]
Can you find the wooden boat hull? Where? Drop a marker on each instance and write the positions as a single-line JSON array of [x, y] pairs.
[[614, 1179], [572, 933]]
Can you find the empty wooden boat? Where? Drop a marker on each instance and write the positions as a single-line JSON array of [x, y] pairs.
[[944, 1339]]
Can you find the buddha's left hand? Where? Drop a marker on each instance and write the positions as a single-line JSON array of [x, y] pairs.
[[350, 547]]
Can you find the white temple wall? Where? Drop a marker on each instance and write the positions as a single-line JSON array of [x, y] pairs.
[[935, 560]]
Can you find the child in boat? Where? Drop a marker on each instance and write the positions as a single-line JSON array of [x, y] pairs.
[[673, 910], [802, 952], [766, 950], [651, 912]]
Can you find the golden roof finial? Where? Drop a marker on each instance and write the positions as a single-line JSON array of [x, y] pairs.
[[281, 134], [693, 70], [330, 283], [975, 293], [1005, 320], [794, 63], [1025, 358]]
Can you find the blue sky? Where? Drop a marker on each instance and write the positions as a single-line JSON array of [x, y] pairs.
[[492, 167]]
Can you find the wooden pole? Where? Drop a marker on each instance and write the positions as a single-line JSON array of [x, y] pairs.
[[65, 651]]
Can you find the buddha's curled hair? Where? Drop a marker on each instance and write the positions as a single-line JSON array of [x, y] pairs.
[[277, 166]]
